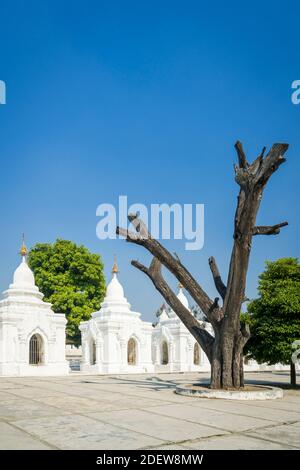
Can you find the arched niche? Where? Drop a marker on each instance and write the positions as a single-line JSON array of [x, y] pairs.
[[164, 352], [132, 352], [196, 354], [36, 350]]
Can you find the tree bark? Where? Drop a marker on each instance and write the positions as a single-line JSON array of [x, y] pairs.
[[216, 364], [242, 383], [225, 349]]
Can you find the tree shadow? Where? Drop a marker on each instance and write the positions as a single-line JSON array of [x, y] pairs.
[[275, 383], [156, 383], [153, 383]]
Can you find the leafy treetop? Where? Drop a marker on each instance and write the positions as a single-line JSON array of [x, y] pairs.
[[275, 315], [71, 278]]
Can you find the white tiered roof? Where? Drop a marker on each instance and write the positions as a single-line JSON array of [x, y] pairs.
[[115, 303], [165, 316], [23, 288], [23, 277], [183, 299]]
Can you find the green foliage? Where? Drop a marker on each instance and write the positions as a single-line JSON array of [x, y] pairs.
[[275, 316], [71, 278], [245, 318]]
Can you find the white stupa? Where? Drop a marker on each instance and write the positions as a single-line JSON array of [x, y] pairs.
[[116, 340], [174, 349], [32, 336], [183, 299]]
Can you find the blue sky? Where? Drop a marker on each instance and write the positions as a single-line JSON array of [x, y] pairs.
[[145, 99]]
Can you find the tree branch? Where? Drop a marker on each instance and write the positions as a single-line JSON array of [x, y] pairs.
[[139, 226], [245, 330], [270, 163], [268, 229], [215, 314], [258, 173], [200, 334], [252, 181], [241, 155], [143, 237], [129, 235], [220, 286]]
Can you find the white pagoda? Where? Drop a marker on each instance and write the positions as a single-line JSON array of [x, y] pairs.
[[32, 336], [116, 340]]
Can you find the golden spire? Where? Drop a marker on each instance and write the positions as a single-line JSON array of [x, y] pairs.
[[23, 250], [115, 269], [180, 286]]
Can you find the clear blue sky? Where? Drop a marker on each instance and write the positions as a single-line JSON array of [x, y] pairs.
[[145, 99]]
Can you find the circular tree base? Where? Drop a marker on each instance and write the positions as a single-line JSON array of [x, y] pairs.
[[250, 392]]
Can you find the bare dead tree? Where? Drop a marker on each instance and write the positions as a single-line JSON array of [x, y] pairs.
[[225, 349]]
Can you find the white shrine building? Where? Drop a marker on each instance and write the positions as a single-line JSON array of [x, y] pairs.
[[116, 340], [174, 349], [32, 336]]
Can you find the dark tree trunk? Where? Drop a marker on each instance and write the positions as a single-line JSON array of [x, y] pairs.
[[293, 374], [242, 383], [216, 364], [224, 349]]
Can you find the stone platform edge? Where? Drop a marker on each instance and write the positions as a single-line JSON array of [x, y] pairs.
[[269, 393]]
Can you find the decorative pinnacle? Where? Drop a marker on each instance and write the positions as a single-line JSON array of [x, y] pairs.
[[23, 250], [115, 269], [180, 286]]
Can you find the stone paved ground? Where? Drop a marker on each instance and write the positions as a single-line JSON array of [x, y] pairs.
[[141, 412]]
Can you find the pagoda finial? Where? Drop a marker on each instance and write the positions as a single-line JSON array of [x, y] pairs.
[[115, 269], [23, 250]]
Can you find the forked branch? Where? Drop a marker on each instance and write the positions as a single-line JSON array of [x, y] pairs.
[[241, 155], [172, 263], [220, 286], [200, 334]]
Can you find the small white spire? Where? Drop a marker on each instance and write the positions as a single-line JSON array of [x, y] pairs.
[[115, 268], [183, 299], [23, 250]]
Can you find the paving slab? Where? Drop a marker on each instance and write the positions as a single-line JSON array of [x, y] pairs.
[[235, 442], [84, 405], [283, 404], [169, 447], [135, 394], [15, 409], [288, 434], [272, 413], [34, 392], [5, 396], [214, 418], [7, 385], [81, 432], [75, 404], [163, 427], [96, 394], [12, 438]]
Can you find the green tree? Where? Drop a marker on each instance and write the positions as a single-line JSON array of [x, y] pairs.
[[71, 278], [275, 315]]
